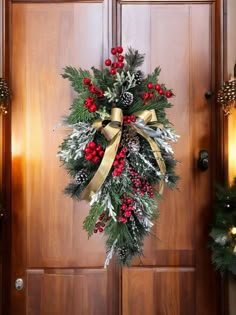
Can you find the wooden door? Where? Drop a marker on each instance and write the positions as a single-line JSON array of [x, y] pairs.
[[175, 275], [63, 271]]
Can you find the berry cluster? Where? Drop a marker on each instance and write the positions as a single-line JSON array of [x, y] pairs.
[[101, 223], [157, 87], [128, 119], [93, 152], [160, 90], [89, 104], [93, 88], [119, 162], [140, 185], [116, 51], [126, 208]]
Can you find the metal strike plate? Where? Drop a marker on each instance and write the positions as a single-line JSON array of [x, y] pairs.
[[19, 284]]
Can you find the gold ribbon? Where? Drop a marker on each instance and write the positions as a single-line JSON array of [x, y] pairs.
[[113, 131]]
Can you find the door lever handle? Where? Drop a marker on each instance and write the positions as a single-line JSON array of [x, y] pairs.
[[203, 160]]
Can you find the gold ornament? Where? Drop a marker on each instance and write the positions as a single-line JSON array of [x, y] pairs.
[[233, 230]]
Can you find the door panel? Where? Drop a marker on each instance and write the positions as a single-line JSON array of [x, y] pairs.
[[164, 290], [67, 292]]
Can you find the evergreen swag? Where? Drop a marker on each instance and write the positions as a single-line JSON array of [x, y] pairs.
[[117, 152], [223, 232]]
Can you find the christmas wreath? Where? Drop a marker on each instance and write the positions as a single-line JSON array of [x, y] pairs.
[[223, 231], [118, 153]]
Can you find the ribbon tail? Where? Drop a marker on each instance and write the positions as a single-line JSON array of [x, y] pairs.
[[103, 170], [157, 153]]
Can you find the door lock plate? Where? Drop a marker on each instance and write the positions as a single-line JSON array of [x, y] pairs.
[[19, 284]]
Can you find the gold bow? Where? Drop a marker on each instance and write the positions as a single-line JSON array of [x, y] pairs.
[[113, 132]]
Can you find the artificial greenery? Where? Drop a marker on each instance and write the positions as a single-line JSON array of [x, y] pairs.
[[124, 204], [223, 231]]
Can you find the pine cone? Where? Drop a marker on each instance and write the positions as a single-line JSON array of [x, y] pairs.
[[81, 177], [127, 98], [138, 77], [122, 253], [130, 140], [4, 90]]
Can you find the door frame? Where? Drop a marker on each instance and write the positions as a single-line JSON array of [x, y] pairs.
[[5, 172]]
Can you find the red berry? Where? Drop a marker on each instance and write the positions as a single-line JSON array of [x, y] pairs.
[[92, 145], [87, 150], [120, 58], [120, 50], [96, 159], [123, 207], [145, 95], [129, 200], [92, 108], [115, 65], [121, 65], [88, 157], [128, 214], [122, 162], [151, 95], [100, 93], [132, 118], [94, 153], [168, 94], [92, 88], [149, 85], [113, 51], [161, 92], [108, 62], [157, 87], [130, 208], [116, 163], [90, 99], [100, 230], [113, 71], [98, 148], [101, 153], [86, 81], [95, 231]]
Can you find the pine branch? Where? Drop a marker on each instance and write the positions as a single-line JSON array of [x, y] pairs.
[[134, 59], [76, 76], [79, 113], [89, 223]]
